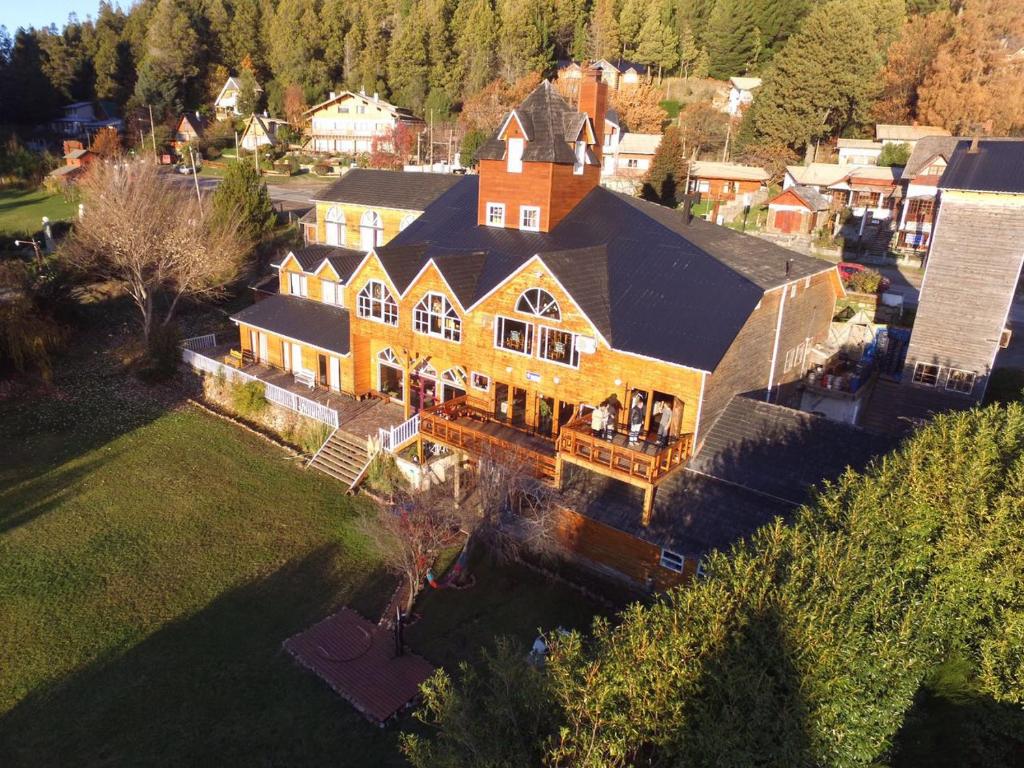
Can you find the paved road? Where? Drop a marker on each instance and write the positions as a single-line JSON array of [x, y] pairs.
[[291, 195]]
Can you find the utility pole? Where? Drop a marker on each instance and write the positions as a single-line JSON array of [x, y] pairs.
[[237, 156], [728, 135], [152, 128], [195, 178], [431, 139]]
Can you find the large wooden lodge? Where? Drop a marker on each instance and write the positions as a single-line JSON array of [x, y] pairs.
[[503, 307]]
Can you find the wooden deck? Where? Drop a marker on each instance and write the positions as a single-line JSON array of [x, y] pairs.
[[358, 660], [460, 424], [643, 463]]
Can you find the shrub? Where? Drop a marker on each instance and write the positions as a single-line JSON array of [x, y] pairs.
[[322, 169], [866, 281], [384, 476], [212, 152], [310, 435], [288, 165], [249, 399]]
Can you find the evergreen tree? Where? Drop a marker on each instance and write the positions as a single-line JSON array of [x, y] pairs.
[[631, 19], [824, 80], [242, 198], [246, 40], [777, 20], [408, 65], [570, 18], [31, 98], [475, 42], [604, 31], [665, 181], [248, 93], [659, 46], [296, 47], [732, 38], [169, 70], [111, 60]]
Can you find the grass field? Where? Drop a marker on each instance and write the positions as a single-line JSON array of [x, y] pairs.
[[22, 211], [152, 560]]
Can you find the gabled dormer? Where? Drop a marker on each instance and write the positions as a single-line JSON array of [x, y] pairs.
[[543, 159]]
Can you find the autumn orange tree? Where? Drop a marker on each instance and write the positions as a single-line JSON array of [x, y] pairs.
[[908, 63], [639, 107], [485, 110], [106, 142]]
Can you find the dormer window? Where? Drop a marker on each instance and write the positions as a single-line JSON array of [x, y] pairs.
[[434, 315], [515, 155], [581, 157], [298, 285], [496, 214], [375, 302]]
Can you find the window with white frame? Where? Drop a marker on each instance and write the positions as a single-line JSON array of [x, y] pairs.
[[371, 230], [926, 375], [960, 381], [672, 560], [375, 302], [434, 315], [558, 346], [294, 283], [581, 157], [334, 225], [513, 335], [515, 155], [529, 217], [496, 214], [480, 381], [331, 292], [537, 301], [632, 162]]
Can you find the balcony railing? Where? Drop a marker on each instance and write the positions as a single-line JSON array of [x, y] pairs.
[[645, 462], [466, 424]]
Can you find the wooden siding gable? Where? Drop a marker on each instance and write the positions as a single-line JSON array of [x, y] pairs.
[[431, 270]]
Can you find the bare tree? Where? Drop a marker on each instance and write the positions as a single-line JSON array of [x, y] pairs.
[[150, 235], [516, 508], [411, 532]]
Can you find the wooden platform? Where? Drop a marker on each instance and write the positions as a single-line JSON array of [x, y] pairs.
[[357, 659]]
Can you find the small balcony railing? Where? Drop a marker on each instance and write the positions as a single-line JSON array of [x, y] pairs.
[[645, 462]]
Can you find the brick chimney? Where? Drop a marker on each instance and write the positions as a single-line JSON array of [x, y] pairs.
[[594, 101]]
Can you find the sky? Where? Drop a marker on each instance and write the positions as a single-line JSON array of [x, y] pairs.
[[40, 13]]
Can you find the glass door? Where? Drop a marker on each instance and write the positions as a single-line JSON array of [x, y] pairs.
[[518, 407], [501, 401]]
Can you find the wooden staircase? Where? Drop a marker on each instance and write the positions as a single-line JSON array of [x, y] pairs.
[[342, 457]]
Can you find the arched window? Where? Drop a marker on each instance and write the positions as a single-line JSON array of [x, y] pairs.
[[371, 231], [537, 301], [334, 223], [408, 219], [387, 355], [434, 315], [455, 375], [375, 302], [390, 377]]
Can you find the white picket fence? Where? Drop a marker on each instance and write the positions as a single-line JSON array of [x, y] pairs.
[[274, 394], [391, 439]]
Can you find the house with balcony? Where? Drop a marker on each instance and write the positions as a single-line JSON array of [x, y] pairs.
[[350, 122], [261, 131], [726, 182], [920, 189], [521, 299], [83, 119], [189, 129], [225, 106], [741, 94]]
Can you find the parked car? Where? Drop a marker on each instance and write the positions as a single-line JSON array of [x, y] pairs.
[[852, 272]]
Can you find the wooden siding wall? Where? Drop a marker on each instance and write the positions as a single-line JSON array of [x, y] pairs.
[[632, 557], [275, 353], [391, 218], [746, 366], [972, 270], [591, 383], [716, 187], [314, 281], [555, 189]]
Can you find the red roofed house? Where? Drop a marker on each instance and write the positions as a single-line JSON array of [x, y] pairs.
[[797, 210]]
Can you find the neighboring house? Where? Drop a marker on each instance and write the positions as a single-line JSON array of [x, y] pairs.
[[972, 270], [820, 177], [367, 208], [190, 129], [76, 160], [870, 192], [225, 106], [350, 122], [261, 131], [523, 297], [741, 94], [635, 153], [725, 182], [612, 137], [616, 74], [906, 134], [858, 151], [83, 119], [797, 210], [920, 188]]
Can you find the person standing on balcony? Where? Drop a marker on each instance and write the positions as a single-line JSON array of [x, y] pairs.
[[636, 420], [598, 418], [663, 411], [612, 409]]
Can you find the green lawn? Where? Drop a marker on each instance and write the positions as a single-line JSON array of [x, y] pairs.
[[21, 211], [152, 560]]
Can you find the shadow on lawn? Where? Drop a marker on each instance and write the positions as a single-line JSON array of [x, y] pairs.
[[44, 493], [214, 688]]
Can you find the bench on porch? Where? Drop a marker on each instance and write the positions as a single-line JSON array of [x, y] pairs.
[[305, 378], [239, 358]]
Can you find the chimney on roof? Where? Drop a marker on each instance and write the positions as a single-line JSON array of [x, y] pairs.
[[975, 142], [789, 266], [362, 91], [376, 96], [331, 95], [687, 207], [594, 101]]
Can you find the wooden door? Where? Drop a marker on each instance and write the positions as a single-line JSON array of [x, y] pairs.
[[501, 404], [335, 374], [296, 357], [263, 346], [519, 407], [321, 373]]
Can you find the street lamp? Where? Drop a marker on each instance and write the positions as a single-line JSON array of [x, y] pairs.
[[34, 245]]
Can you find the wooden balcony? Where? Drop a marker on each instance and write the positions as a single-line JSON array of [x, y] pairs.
[[464, 423], [645, 463]]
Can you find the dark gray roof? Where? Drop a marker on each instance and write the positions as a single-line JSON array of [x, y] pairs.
[[388, 189], [313, 322], [344, 260], [780, 452], [926, 149], [551, 125], [997, 166], [651, 283]]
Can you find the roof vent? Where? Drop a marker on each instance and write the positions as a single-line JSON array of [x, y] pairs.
[[789, 266], [975, 142], [331, 96], [376, 96]]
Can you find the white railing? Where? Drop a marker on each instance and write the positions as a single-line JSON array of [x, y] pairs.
[[394, 438], [273, 393], [201, 342]]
